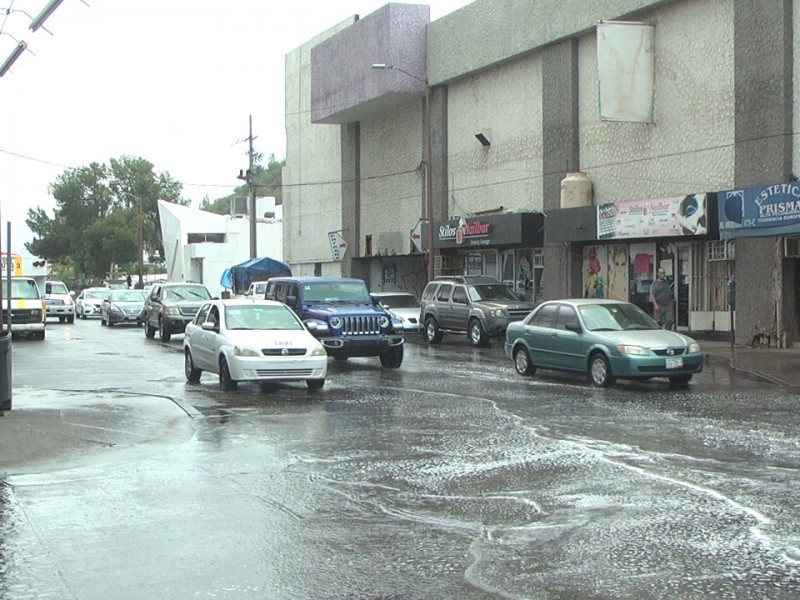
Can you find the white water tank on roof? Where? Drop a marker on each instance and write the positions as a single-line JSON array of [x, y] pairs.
[[576, 190]]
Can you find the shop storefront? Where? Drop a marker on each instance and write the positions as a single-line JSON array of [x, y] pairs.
[[507, 247], [623, 244]]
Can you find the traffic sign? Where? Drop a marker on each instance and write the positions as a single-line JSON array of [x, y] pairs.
[[416, 235]]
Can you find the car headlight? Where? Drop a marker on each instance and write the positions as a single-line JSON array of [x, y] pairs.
[[383, 321], [245, 351], [497, 313], [694, 347], [635, 350], [116, 309], [336, 322], [318, 351], [171, 310]]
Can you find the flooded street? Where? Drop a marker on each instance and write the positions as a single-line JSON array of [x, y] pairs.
[[451, 477]]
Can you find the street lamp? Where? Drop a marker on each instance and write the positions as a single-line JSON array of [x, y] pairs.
[[428, 160], [12, 58]]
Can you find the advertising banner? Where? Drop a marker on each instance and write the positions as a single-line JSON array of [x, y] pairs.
[[763, 211], [660, 217]]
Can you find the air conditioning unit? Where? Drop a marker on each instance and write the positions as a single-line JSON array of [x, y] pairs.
[[239, 206]]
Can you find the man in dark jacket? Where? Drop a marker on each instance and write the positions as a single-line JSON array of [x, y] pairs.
[[662, 301]]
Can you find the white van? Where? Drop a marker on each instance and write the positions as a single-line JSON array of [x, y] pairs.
[[28, 309]]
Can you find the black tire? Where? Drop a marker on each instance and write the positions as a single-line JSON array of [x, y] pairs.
[[110, 323], [393, 357], [163, 332], [192, 373], [477, 335], [315, 384], [62, 319], [37, 335], [600, 374], [433, 334], [149, 331], [679, 381], [522, 361], [226, 382], [102, 320], [71, 319]]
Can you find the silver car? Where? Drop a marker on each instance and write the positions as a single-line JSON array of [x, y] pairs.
[[88, 302], [404, 306], [122, 306]]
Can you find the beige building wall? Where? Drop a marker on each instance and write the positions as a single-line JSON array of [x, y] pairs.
[[689, 147], [505, 105], [392, 178], [312, 198], [796, 88]]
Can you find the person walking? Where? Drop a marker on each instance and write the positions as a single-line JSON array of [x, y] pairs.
[[661, 296]]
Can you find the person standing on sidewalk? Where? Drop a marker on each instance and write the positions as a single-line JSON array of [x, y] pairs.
[[661, 297]]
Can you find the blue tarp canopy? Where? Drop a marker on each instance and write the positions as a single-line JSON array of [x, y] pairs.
[[256, 269]]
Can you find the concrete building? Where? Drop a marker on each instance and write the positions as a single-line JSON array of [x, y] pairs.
[[201, 245], [553, 126]]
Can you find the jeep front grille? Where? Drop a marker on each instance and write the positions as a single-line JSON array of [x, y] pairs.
[[360, 325]]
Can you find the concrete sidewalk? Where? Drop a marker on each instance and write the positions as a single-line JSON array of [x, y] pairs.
[[779, 366]]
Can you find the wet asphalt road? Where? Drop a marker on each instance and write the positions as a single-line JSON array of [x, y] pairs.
[[451, 477]]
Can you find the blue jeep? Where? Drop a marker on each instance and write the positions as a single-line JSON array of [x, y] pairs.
[[341, 314]]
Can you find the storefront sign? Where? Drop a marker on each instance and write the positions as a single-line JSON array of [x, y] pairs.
[[491, 230], [338, 245], [762, 211], [660, 217]]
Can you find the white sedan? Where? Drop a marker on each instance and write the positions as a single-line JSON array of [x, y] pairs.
[[252, 340]]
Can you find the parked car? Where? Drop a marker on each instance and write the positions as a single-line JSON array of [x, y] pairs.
[[257, 289], [480, 307], [341, 315], [404, 306], [170, 306], [606, 339], [60, 301], [122, 306], [246, 339], [88, 302]]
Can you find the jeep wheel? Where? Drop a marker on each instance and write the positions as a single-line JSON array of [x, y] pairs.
[[149, 332], [432, 332], [392, 358], [226, 382], [163, 332], [192, 372], [477, 336]]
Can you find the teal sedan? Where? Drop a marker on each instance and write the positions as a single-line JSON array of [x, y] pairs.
[[606, 339]]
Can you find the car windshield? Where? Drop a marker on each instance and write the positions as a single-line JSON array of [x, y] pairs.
[[57, 288], [347, 291], [399, 301], [490, 292], [261, 317], [24, 289], [127, 296], [97, 294], [189, 292], [615, 317]]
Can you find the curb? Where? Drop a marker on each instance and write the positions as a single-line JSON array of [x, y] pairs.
[[750, 373]]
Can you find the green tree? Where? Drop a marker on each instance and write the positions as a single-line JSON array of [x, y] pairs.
[[267, 182], [99, 213]]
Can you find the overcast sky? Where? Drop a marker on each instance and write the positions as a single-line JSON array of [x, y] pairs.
[[171, 81]]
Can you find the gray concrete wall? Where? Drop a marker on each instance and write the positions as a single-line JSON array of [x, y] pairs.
[[490, 32], [763, 110], [561, 153]]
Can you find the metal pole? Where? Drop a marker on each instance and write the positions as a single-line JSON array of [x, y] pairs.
[[250, 183], [429, 177]]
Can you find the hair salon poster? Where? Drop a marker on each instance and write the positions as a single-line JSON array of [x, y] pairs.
[[767, 210], [660, 217]]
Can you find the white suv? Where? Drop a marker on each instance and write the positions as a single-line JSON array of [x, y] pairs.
[[60, 301]]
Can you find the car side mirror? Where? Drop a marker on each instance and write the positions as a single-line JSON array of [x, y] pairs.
[[573, 326], [209, 326]]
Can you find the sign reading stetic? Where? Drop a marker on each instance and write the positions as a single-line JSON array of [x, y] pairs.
[[338, 245]]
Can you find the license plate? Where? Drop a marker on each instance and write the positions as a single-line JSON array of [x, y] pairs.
[[674, 363]]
